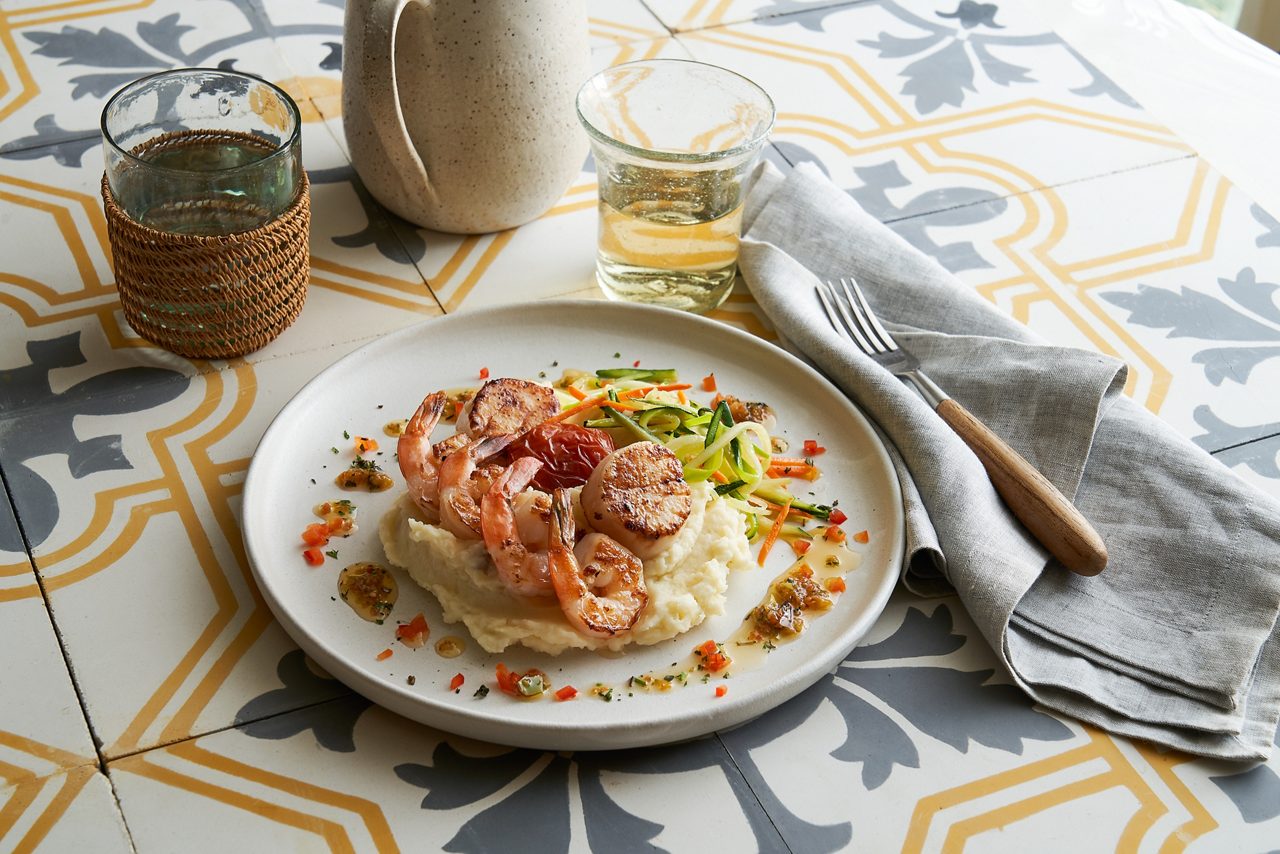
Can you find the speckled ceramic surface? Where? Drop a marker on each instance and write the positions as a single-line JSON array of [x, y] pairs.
[[459, 115], [191, 722]]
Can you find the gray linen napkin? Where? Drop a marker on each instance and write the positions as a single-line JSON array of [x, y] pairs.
[[1176, 641]]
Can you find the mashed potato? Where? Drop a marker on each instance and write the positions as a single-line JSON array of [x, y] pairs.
[[686, 583]]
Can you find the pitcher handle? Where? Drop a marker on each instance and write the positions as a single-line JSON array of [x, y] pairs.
[[383, 92]]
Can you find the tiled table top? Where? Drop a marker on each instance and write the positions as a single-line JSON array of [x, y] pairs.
[[149, 701]]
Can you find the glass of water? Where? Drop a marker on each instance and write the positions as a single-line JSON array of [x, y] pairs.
[[202, 151], [672, 140]]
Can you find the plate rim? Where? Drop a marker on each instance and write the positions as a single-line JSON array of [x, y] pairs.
[[605, 733]]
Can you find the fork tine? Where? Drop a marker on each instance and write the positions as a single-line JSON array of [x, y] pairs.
[[820, 290], [855, 329], [855, 315], [876, 328]]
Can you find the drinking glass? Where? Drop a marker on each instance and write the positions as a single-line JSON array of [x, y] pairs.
[[673, 140], [202, 151]]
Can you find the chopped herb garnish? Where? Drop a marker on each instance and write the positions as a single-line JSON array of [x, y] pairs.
[[617, 355], [769, 646], [335, 450], [412, 680], [481, 692], [367, 465], [313, 481], [346, 435], [333, 553], [555, 364]]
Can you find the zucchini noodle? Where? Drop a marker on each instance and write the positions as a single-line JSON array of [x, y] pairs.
[[636, 404]]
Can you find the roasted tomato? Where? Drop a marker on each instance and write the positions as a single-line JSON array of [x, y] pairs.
[[569, 453]]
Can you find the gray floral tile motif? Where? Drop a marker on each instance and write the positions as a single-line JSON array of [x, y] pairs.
[[944, 206], [1271, 228], [38, 421], [1256, 446], [1248, 316], [957, 708], [954, 51], [453, 779], [332, 724], [114, 57], [10, 534]]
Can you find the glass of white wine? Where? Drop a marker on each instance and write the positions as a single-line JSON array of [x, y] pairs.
[[202, 151], [672, 140]]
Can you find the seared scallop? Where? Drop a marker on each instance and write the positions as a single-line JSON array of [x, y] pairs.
[[507, 406], [637, 495]]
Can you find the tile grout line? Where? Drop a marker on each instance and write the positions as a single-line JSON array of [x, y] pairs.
[[834, 4], [8, 150], [754, 793], [66, 659], [1188, 156], [231, 726], [1245, 443]]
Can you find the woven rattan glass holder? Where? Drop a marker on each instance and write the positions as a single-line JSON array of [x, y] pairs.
[[211, 297]]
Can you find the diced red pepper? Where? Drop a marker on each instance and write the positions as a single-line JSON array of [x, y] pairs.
[[838, 517], [313, 556], [316, 534], [384, 655], [800, 547], [484, 373], [862, 537], [456, 682], [509, 681], [636, 363], [721, 690], [414, 633], [709, 382], [713, 657], [833, 534], [836, 585], [812, 448], [568, 692]]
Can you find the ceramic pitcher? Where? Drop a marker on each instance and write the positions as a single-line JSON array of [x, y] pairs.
[[459, 114]]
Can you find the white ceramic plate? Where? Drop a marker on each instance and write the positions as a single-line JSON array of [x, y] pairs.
[[387, 379]]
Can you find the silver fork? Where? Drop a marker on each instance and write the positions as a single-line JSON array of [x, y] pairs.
[[1037, 503]]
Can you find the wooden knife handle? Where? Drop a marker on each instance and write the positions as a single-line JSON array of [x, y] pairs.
[[1037, 503]]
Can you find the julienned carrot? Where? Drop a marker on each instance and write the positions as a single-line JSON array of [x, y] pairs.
[[789, 461], [580, 395], [797, 511], [804, 472], [641, 392], [591, 403], [772, 536]]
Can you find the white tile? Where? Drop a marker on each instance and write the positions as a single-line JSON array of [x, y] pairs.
[[72, 811]]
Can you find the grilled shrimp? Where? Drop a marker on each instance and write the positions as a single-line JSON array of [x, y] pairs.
[[521, 564], [637, 495], [506, 405], [418, 461], [463, 481], [599, 584]]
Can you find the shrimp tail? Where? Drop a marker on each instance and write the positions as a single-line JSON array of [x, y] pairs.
[[562, 527], [427, 416]]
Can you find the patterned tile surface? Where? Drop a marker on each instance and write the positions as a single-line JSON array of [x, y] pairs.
[[977, 135], [75, 810]]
